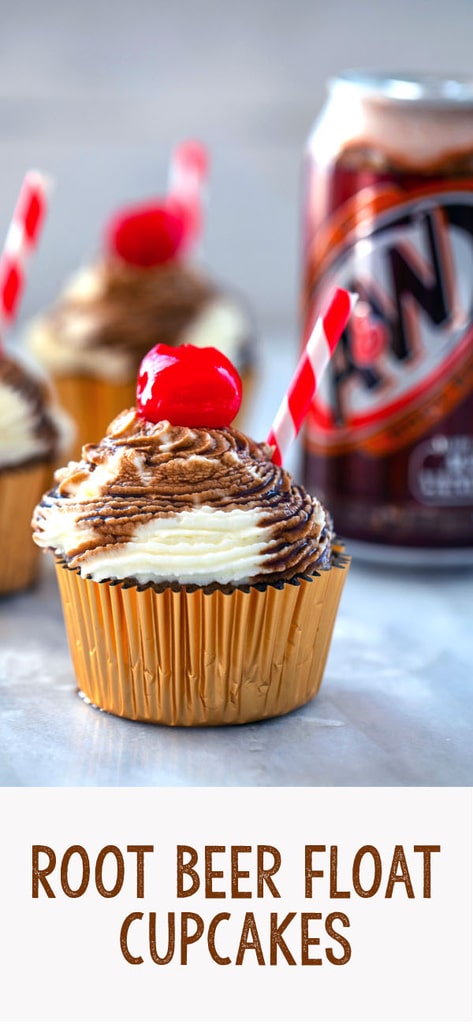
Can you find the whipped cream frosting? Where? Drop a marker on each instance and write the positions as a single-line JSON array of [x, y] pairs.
[[32, 426], [111, 314], [156, 503]]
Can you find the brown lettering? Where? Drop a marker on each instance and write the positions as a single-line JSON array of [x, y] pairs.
[[74, 893], [124, 939], [427, 850], [309, 940], [211, 873], [377, 871], [335, 894], [187, 937], [311, 872], [265, 874], [399, 861], [338, 961], [249, 929], [39, 874], [237, 873], [187, 869], [109, 893], [222, 960], [171, 939], [140, 867], [277, 941]]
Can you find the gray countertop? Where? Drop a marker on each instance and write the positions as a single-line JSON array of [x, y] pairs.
[[395, 707]]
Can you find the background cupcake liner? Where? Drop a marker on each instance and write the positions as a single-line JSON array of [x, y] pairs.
[[93, 404], [249, 379], [20, 490], [191, 658]]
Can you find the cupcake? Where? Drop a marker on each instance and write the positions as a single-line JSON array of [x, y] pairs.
[[199, 582], [33, 432], [142, 291]]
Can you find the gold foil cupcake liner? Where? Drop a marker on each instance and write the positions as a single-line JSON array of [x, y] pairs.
[[193, 658], [93, 404], [20, 490]]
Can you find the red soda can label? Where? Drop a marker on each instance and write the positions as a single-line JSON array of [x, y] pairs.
[[406, 359]]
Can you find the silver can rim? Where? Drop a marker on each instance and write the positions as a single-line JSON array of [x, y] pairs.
[[429, 90]]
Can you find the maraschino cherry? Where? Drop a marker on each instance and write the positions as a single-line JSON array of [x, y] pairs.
[[189, 386], [147, 235], [156, 232]]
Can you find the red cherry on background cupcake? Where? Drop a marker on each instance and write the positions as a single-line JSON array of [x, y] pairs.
[[189, 386], [146, 236]]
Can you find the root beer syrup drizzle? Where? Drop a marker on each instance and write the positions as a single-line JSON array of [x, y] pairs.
[[388, 214]]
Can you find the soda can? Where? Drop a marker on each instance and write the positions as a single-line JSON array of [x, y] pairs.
[[388, 214]]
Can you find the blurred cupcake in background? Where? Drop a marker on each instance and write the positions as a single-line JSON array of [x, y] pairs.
[[34, 433], [142, 290]]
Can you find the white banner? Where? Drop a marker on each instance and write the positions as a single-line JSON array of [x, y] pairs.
[[236, 905]]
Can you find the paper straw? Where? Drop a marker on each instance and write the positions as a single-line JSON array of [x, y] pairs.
[[188, 175], [309, 371], [21, 240]]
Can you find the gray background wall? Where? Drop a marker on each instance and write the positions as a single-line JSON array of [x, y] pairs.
[[97, 93]]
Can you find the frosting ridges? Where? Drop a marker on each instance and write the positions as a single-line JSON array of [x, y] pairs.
[[149, 487]]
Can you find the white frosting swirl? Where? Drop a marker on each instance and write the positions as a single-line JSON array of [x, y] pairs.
[[32, 425], [160, 504], [83, 339]]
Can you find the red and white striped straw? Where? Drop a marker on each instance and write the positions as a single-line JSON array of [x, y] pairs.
[[22, 238], [188, 173], [309, 371]]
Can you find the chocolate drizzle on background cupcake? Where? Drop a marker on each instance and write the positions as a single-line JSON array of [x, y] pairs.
[[164, 301], [142, 291]]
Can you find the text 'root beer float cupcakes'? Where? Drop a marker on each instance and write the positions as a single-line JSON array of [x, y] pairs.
[[143, 290], [199, 582], [33, 433]]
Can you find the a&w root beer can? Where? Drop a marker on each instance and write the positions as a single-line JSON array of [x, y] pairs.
[[388, 213]]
